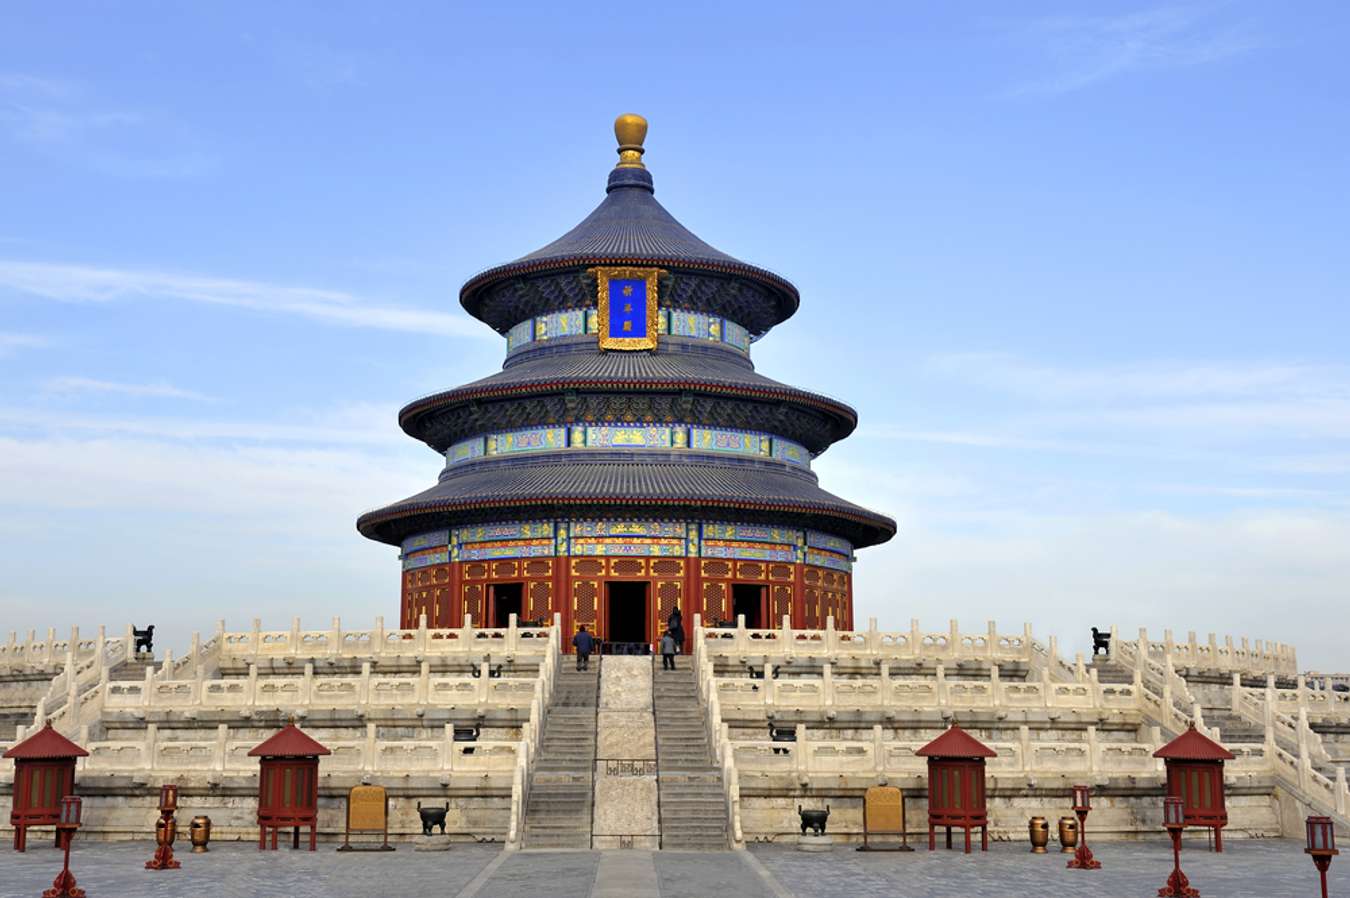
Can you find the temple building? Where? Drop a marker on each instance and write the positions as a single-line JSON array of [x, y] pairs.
[[627, 459]]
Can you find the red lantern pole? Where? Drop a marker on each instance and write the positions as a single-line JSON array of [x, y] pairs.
[[1082, 858], [166, 830], [1174, 818], [64, 885], [1321, 846]]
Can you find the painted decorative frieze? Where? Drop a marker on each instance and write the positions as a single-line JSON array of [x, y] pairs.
[[426, 541], [676, 322], [479, 533], [425, 558]]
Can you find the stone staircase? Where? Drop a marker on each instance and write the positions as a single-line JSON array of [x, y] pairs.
[[562, 791], [693, 811], [133, 670]]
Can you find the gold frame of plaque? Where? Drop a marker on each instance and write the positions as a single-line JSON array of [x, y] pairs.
[[651, 314], [366, 821], [886, 825]]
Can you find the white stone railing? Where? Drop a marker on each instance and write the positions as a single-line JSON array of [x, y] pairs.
[[50, 654], [1090, 758], [1320, 705], [892, 696], [1252, 657], [223, 755], [719, 735], [86, 669], [915, 644], [531, 732], [378, 643], [308, 691], [1167, 695]]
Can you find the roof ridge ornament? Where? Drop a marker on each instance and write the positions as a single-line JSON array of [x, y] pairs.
[[631, 130]]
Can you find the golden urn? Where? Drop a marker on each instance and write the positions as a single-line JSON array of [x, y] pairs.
[[1039, 829], [199, 830], [166, 830], [1068, 835]]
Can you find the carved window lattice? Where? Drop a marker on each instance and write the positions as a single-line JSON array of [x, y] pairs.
[[781, 604], [668, 594], [541, 595], [811, 576], [750, 570], [667, 567], [585, 595], [503, 569], [588, 567], [716, 568], [714, 602], [473, 601], [780, 572], [475, 570], [539, 567], [628, 567]]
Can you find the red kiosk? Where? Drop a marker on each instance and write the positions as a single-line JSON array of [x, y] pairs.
[[956, 785], [44, 773], [288, 785], [1195, 775]]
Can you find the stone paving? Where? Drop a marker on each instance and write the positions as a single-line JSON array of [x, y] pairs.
[[1256, 869]]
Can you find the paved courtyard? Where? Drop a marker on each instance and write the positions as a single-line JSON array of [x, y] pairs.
[[1267, 869]]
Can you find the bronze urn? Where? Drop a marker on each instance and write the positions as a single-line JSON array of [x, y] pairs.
[[199, 830], [1039, 829], [1068, 835]]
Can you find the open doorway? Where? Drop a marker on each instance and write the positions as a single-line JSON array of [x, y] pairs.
[[506, 600], [748, 599], [626, 618]]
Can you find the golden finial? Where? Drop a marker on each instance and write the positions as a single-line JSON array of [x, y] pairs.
[[631, 130]]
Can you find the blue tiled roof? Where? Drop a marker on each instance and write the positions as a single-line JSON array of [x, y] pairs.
[[618, 479], [630, 226]]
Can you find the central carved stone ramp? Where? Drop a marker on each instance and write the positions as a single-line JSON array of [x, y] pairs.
[[693, 808], [558, 812]]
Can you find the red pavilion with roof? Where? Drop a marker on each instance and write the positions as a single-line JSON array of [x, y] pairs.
[[44, 773], [956, 785], [288, 785], [1195, 775]]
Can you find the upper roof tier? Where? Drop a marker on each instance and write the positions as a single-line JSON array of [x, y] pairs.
[[630, 227]]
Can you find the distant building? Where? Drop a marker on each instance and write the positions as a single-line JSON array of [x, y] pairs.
[[628, 458]]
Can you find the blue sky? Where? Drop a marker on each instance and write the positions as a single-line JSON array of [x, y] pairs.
[[1080, 267]]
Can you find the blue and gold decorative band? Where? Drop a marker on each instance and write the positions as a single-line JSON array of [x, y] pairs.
[[630, 436], [651, 538], [675, 322]]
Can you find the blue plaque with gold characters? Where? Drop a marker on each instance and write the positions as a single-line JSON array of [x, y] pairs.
[[627, 304]]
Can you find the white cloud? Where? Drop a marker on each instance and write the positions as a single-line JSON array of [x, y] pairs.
[[66, 385], [10, 342], [1274, 574], [339, 427], [82, 283], [1085, 50]]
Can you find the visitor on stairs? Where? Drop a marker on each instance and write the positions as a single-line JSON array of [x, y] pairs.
[[668, 651], [675, 623], [584, 644]]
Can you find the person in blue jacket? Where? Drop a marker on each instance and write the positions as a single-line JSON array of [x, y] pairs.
[[584, 643]]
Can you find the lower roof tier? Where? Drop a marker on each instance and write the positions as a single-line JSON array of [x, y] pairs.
[[677, 383], [563, 484]]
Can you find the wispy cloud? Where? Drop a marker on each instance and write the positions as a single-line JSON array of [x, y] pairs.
[[69, 385], [10, 343], [81, 283], [1085, 50], [58, 117], [1148, 380]]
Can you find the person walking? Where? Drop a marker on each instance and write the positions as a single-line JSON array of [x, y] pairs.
[[584, 643], [675, 624], [668, 651]]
